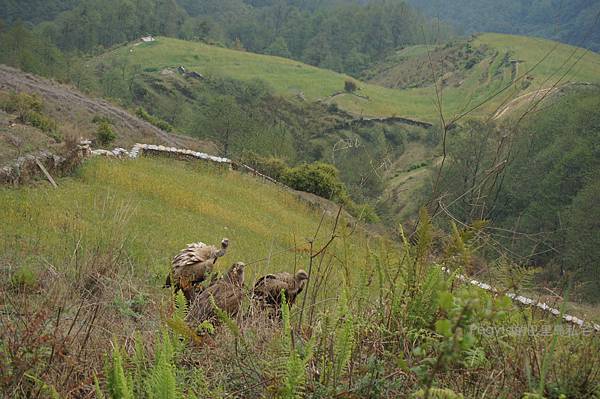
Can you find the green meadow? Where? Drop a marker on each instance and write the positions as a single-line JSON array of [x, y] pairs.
[[155, 207], [288, 77]]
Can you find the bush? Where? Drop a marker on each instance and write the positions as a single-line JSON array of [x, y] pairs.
[[101, 119], [350, 86], [25, 277], [40, 121], [105, 134], [21, 104], [159, 123], [29, 111], [363, 212], [319, 178], [270, 166]]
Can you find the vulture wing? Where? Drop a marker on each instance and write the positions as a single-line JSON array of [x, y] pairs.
[[194, 253], [192, 264], [269, 287], [227, 297]]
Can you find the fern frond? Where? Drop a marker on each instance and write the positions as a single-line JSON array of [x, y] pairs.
[[118, 381], [97, 390], [181, 306], [162, 382], [224, 318], [424, 234]]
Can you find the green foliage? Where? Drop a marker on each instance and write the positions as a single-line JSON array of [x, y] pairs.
[[29, 110], [547, 185], [31, 52], [318, 178], [159, 123], [105, 134], [293, 373], [350, 86], [523, 17], [270, 166], [161, 381], [26, 277], [119, 383]]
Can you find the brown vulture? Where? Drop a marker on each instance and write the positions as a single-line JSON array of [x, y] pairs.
[[193, 265], [227, 293], [268, 288]]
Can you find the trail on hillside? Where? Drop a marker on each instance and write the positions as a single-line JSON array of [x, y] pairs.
[[69, 98], [523, 99]]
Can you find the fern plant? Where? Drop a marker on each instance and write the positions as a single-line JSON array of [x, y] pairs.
[[119, 383], [161, 382], [293, 372]]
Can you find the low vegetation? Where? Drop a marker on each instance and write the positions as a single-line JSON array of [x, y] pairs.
[[377, 320], [29, 110], [534, 177]]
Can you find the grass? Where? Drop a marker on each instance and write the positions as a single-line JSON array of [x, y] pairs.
[[168, 205], [288, 77], [83, 265]]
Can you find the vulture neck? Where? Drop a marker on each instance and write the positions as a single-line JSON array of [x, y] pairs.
[[221, 252]]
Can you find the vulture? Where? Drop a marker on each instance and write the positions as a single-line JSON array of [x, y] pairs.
[[268, 288], [193, 265], [227, 293]]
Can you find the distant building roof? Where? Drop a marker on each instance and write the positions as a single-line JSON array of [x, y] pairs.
[[147, 39]]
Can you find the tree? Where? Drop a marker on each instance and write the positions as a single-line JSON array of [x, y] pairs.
[[225, 122], [279, 47], [350, 86]]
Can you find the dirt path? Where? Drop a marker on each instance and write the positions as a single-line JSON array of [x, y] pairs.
[[523, 99]]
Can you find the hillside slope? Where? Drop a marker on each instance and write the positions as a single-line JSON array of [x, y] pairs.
[[86, 263], [159, 206], [73, 112], [503, 60], [484, 73]]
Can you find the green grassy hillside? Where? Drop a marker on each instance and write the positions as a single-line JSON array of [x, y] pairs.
[[491, 73], [470, 73], [83, 267], [159, 207]]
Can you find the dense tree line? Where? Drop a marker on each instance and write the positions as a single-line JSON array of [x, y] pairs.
[[343, 36], [34, 11], [574, 21]]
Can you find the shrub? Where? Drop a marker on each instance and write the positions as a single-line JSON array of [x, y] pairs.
[[332, 107], [29, 111], [22, 103], [101, 119], [25, 277], [318, 178], [350, 86], [363, 212], [271, 166], [40, 121], [105, 134], [159, 123]]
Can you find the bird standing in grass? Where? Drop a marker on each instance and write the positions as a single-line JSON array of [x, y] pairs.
[[268, 288], [226, 292], [193, 265]]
